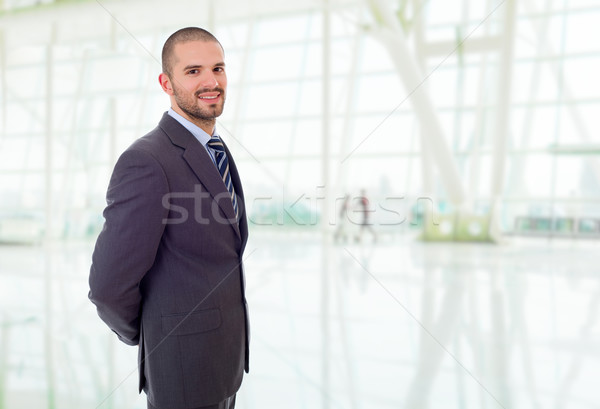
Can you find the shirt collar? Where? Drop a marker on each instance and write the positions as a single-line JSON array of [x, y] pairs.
[[198, 132]]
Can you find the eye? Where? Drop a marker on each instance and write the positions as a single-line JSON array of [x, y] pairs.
[[219, 69], [192, 72]]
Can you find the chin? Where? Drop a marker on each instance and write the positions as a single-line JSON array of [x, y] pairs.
[[217, 112]]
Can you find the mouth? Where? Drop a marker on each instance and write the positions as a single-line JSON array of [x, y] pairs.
[[209, 97]]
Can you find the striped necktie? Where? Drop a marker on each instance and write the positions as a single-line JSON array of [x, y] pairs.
[[222, 163]]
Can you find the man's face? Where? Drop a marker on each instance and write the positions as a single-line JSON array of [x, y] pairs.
[[198, 79]]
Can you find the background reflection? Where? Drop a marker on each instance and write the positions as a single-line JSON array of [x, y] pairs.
[[409, 324]]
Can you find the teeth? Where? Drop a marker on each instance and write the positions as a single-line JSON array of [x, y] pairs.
[[208, 97]]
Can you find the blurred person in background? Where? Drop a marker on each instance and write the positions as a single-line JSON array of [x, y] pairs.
[[365, 224], [340, 233]]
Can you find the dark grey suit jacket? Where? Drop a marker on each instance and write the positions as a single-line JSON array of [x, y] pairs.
[[167, 269]]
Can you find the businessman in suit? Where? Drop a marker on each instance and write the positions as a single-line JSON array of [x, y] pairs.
[[167, 269]]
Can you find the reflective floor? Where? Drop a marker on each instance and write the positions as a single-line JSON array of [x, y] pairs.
[[393, 324]]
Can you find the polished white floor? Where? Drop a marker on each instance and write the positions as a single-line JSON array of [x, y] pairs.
[[393, 324]]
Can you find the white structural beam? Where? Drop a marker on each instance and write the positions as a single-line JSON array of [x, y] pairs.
[[4, 348], [502, 125], [3, 82], [426, 159], [326, 239], [49, 137], [475, 45], [349, 110], [391, 34], [50, 225], [480, 119]]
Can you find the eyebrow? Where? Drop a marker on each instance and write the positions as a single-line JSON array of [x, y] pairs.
[[195, 66]]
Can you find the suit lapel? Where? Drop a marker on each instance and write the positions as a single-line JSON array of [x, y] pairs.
[[202, 165]]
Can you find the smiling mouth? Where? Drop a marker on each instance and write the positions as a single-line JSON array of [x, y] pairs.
[[209, 96]]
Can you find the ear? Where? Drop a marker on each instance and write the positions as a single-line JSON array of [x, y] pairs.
[[165, 83]]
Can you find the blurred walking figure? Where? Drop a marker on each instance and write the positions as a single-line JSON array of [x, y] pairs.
[[342, 221], [365, 224]]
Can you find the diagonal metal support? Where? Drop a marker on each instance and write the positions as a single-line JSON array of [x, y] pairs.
[[391, 34]]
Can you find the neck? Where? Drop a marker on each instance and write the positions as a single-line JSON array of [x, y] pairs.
[[207, 125]]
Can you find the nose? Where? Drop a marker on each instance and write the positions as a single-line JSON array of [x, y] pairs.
[[209, 80]]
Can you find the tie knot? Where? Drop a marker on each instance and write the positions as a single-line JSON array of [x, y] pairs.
[[216, 144]]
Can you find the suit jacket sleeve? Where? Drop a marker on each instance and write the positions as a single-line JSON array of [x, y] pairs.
[[127, 246]]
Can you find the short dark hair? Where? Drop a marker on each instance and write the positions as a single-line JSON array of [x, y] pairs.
[[183, 36]]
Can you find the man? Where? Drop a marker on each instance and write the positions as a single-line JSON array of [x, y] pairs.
[[167, 268], [365, 210]]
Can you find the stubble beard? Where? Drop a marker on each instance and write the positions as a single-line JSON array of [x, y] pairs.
[[191, 108]]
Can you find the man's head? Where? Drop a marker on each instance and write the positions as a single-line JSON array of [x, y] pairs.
[[194, 75], [183, 35]]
